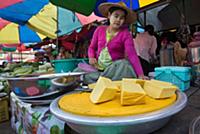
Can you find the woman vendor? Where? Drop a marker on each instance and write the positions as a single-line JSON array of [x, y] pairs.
[[112, 50]]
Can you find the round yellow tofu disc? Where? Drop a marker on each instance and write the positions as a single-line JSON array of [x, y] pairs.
[[79, 103]]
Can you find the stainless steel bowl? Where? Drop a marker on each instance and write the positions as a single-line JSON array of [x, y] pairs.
[[65, 82], [136, 124], [195, 54]]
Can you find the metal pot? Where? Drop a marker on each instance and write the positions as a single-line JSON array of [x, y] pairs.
[[195, 54], [167, 57]]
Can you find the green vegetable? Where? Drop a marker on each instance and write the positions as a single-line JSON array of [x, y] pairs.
[[55, 130]]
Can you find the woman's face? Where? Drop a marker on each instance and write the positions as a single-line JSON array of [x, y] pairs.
[[117, 18]]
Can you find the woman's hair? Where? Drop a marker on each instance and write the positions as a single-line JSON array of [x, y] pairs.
[[149, 29], [112, 9]]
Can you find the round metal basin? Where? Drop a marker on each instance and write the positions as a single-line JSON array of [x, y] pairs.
[[137, 124], [26, 86]]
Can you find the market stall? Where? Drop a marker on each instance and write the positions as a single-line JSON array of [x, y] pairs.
[[38, 99], [30, 102]]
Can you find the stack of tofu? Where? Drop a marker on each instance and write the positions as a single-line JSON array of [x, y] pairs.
[[132, 91]]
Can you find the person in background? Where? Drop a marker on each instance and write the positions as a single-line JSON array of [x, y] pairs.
[[159, 47], [145, 45], [111, 50], [61, 53], [49, 54], [166, 53], [195, 40], [180, 54], [39, 56], [4, 64], [9, 57]]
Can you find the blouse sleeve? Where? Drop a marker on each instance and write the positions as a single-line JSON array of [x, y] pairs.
[[132, 55], [93, 45]]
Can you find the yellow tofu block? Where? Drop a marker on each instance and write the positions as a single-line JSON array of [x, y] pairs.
[[159, 91], [141, 82], [103, 91], [138, 81], [131, 93], [118, 83], [92, 86], [161, 82]]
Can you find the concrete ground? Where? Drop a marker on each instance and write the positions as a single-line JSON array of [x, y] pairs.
[[5, 128], [179, 124]]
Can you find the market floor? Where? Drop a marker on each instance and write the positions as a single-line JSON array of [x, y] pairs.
[[5, 128], [179, 123]]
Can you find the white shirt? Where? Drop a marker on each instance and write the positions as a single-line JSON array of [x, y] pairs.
[[145, 45]]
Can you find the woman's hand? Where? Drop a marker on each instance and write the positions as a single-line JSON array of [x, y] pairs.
[[143, 77], [92, 61]]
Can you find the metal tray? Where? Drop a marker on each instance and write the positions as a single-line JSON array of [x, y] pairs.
[[137, 124], [38, 102], [44, 76]]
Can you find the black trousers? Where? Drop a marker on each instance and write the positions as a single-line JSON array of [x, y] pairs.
[[146, 66]]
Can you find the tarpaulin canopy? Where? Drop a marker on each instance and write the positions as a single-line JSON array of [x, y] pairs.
[[150, 17], [168, 15], [11, 33], [43, 17], [178, 8]]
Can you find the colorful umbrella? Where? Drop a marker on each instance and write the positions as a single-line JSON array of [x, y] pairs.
[[54, 21], [11, 33], [21, 12], [5, 3], [91, 5], [132, 4], [85, 7], [47, 19]]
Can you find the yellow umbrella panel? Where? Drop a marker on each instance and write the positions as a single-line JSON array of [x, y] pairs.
[[54, 21], [13, 34], [144, 3]]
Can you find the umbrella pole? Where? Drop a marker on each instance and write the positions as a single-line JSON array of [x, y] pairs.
[[145, 18], [57, 25], [132, 25], [11, 57]]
